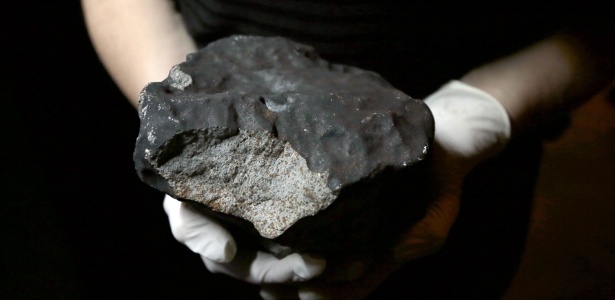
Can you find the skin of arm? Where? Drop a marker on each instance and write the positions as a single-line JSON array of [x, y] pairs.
[[533, 85], [138, 41], [551, 77]]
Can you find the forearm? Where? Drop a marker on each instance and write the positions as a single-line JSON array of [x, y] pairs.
[[138, 41], [550, 77]]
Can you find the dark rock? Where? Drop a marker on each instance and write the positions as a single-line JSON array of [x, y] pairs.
[[264, 130]]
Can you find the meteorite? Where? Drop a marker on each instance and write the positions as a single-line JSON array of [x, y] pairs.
[[263, 133]]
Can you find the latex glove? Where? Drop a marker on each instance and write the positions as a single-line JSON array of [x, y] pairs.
[[220, 254], [470, 126]]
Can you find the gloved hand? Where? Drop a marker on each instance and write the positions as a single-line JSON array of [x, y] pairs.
[[220, 254], [471, 126]]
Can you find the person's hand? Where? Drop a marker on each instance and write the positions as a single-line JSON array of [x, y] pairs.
[[220, 253], [471, 126]]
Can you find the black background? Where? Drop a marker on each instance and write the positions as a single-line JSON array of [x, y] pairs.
[[75, 221]]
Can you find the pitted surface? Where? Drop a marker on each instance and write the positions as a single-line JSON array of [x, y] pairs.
[[346, 124]]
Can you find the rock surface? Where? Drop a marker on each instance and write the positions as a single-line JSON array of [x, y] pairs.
[[264, 130]]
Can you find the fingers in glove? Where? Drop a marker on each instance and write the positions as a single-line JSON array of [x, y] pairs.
[[428, 235], [335, 275], [356, 289], [199, 232], [263, 268], [470, 123]]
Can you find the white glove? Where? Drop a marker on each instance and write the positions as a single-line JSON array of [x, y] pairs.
[[219, 252], [470, 127], [470, 124]]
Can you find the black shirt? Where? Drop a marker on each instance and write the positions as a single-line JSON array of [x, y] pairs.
[[417, 46]]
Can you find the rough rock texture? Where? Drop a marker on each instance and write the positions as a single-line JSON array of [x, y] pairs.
[[263, 130]]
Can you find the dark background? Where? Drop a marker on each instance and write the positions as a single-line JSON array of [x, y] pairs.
[[76, 222]]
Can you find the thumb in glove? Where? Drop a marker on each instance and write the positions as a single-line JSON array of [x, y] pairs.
[[198, 232]]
